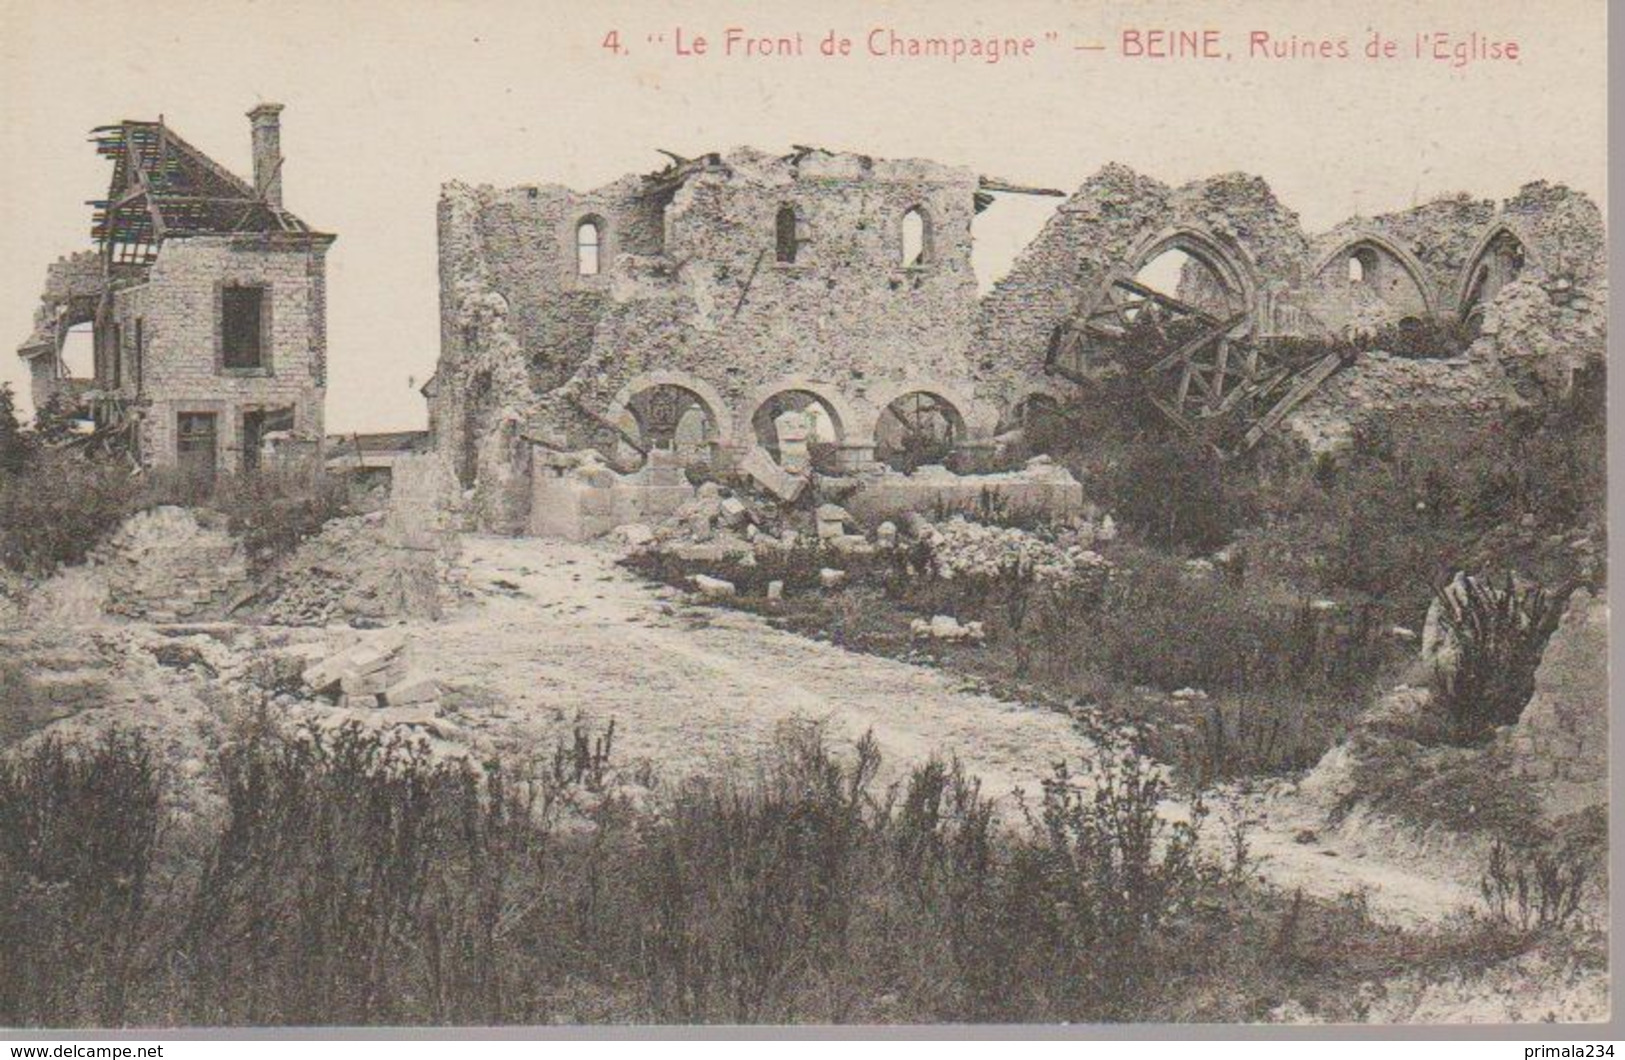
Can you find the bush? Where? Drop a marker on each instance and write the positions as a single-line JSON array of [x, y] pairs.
[[1499, 635], [1538, 887], [62, 504], [1173, 491], [59, 507], [79, 829]]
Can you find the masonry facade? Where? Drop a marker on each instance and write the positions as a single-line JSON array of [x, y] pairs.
[[205, 303], [689, 309]]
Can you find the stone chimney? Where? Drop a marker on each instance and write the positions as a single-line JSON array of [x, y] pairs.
[[267, 127]]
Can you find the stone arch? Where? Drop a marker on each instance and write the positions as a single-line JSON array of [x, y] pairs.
[[848, 424], [1383, 245], [1467, 286], [621, 409], [980, 417], [1226, 259], [918, 426]]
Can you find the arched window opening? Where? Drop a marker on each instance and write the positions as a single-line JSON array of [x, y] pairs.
[[785, 238], [1501, 263], [1183, 276], [589, 241], [674, 418], [916, 429], [799, 430], [916, 237]]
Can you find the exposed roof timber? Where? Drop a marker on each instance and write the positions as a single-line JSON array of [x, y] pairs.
[[997, 185], [162, 186]]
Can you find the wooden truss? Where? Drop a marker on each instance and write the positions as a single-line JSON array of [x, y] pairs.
[[1199, 370], [162, 186]]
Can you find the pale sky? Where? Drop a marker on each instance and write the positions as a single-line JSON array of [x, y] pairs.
[[386, 99]]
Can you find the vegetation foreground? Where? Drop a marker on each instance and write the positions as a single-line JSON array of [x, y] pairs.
[[345, 880]]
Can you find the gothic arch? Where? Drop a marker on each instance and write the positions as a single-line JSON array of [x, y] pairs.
[[1227, 260], [1407, 261], [1496, 231]]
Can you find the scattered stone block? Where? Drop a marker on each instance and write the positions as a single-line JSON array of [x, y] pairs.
[[633, 535], [759, 465], [830, 578], [775, 590], [832, 521], [715, 588], [414, 689], [851, 545], [886, 536], [370, 684]]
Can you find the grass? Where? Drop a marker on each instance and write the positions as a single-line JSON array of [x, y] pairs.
[[350, 880], [1283, 681], [58, 506]]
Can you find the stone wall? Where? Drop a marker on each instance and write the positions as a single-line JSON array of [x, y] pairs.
[[1411, 399], [1115, 223], [178, 309], [694, 293], [577, 497], [1041, 487], [1561, 740]]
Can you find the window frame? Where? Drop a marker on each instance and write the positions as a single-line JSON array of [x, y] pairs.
[[926, 257], [600, 239], [263, 351]]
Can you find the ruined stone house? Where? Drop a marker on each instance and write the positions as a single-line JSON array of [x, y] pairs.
[[736, 303], [201, 312]]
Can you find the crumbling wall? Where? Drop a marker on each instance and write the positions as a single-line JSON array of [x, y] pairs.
[[1414, 400], [74, 286], [1114, 224], [483, 390], [847, 313], [1561, 740], [696, 292], [692, 293], [1551, 322], [578, 497]]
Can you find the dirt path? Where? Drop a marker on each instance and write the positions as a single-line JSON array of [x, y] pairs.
[[557, 630]]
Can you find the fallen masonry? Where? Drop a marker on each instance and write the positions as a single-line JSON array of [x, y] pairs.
[[782, 320]]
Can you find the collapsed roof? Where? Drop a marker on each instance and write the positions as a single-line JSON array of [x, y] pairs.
[[164, 187]]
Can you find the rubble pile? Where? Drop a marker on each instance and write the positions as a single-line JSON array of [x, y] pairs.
[[963, 549], [168, 565], [354, 570], [373, 672], [716, 525]]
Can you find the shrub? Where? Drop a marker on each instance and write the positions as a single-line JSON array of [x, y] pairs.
[[355, 879], [59, 507], [79, 831], [1537, 886], [1499, 635], [1174, 492]]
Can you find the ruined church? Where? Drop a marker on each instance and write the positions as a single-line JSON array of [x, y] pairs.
[[751, 310]]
